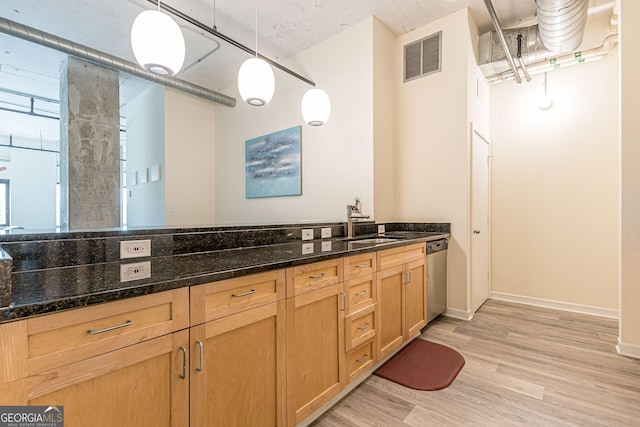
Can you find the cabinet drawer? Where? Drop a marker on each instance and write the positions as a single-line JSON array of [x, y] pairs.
[[309, 277], [360, 359], [360, 326], [218, 299], [361, 293], [359, 265], [398, 256], [59, 339]]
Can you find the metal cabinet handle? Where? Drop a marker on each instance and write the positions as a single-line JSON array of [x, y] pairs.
[[201, 346], [409, 276], [344, 301], [406, 277], [252, 291], [362, 266], [318, 276], [365, 326], [476, 231], [361, 293], [110, 328], [363, 358], [184, 363]]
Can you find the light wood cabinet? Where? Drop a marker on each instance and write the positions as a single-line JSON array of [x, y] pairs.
[[238, 351], [315, 350], [238, 369], [145, 383], [402, 302]]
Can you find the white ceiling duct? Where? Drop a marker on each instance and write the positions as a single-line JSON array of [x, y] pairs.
[[561, 23]]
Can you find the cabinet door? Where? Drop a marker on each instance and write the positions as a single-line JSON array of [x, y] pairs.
[[139, 385], [315, 350], [238, 369], [415, 297], [390, 307]]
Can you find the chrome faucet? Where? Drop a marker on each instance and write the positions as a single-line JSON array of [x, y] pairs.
[[353, 212]]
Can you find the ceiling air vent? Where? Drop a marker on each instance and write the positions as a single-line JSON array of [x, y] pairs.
[[423, 57]]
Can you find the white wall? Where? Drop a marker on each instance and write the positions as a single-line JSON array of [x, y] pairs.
[[32, 176], [554, 186], [337, 158], [432, 137], [384, 105], [145, 147], [189, 174], [630, 179]]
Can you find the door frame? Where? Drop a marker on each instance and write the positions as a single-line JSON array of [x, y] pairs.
[[475, 132]]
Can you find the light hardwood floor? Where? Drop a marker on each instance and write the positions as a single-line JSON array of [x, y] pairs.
[[525, 366]]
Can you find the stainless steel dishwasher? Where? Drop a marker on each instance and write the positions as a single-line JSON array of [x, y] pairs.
[[436, 278]]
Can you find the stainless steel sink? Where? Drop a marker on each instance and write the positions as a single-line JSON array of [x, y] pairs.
[[374, 240]]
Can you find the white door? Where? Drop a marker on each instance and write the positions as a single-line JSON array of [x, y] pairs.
[[480, 232]]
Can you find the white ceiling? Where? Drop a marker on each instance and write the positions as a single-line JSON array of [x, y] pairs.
[[285, 27]]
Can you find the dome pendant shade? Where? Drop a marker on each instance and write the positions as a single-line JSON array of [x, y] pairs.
[[316, 107], [157, 43], [256, 82]]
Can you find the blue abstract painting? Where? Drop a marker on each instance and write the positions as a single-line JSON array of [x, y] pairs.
[[272, 164]]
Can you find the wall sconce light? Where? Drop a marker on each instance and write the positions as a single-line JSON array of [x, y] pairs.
[[316, 105], [545, 102], [157, 42], [256, 82]]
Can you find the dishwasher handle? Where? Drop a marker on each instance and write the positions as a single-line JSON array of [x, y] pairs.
[[437, 246]]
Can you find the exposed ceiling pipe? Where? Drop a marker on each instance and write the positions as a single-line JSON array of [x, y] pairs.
[[97, 57], [503, 41], [561, 23], [563, 61]]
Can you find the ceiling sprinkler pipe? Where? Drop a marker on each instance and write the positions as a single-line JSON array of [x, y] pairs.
[[97, 57], [561, 23]]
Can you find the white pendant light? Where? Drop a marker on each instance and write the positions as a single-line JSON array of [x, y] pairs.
[[157, 42], [256, 82], [545, 102], [316, 105]]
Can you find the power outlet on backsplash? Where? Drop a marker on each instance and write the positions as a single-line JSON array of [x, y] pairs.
[[307, 234], [135, 271], [381, 229]]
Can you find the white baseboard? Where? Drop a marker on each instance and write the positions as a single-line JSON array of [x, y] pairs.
[[458, 314], [558, 305], [629, 350]]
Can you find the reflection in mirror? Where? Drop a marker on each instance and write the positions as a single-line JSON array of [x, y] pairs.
[[30, 134]]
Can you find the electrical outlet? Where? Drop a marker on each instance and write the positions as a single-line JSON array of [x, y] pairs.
[[135, 248], [381, 229], [307, 248], [326, 246], [307, 234], [325, 232], [135, 271]]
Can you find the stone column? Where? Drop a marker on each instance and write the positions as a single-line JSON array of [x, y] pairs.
[[89, 146]]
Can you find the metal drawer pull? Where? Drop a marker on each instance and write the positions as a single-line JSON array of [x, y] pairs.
[[365, 326], [199, 368], [361, 293], [362, 266], [363, 358], [344, 301], [110, 328], [318, 276], [184, 363], [252, 291]]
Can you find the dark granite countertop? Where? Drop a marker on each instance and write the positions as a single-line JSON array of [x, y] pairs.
[[37, 292]]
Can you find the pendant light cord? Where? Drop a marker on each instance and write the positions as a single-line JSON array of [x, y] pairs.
[[215, 27], [256, 22], [315, 37]]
